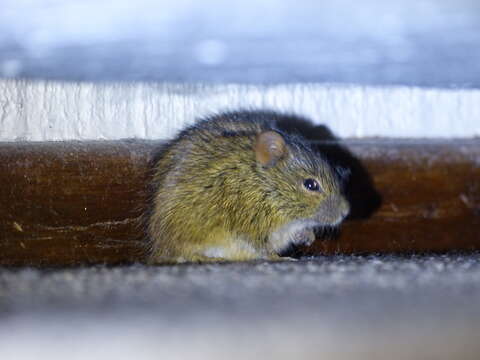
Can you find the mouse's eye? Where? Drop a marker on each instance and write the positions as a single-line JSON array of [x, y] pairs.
[[311, 184]]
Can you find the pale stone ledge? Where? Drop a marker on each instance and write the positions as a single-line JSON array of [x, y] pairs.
[[48, 110]]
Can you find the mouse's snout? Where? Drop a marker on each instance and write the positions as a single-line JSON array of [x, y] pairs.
[[333, 210]]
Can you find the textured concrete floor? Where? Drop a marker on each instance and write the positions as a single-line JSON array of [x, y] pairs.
[[422, 307]]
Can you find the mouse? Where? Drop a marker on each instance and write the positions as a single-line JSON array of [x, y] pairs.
[[235, 187]]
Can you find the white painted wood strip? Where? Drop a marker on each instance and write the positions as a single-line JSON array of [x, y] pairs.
[[47, 110]]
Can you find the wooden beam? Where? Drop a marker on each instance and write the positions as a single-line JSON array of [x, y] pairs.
[[67, 203]]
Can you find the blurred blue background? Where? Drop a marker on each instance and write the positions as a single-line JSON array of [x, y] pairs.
[[410, 42]]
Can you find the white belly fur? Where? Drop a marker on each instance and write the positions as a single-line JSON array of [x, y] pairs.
[[237, 248]]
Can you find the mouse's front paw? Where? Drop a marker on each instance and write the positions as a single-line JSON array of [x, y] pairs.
[[304, 237]]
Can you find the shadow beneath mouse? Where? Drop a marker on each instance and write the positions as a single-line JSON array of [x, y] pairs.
[[364, 199]]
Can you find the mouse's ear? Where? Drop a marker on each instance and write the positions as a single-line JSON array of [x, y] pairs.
[[269, 148]]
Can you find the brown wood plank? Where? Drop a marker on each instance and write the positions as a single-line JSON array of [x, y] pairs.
[[66, 203], [69, 203]]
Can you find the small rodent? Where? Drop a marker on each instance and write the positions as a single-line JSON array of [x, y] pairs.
[[235, 187]]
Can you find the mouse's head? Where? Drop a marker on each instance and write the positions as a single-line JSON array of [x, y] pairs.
[[299, 182]]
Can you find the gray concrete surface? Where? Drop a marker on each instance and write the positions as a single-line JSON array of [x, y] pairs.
[[409, 42], [342, 307]]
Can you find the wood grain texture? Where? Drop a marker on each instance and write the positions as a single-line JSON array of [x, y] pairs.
[[69, 203], [80, 202]]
